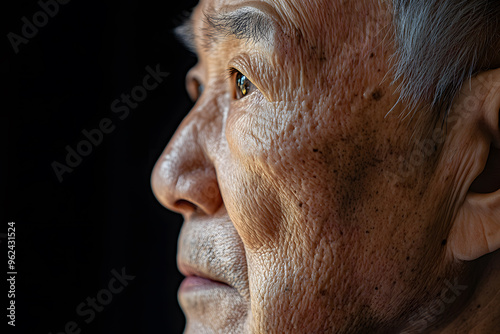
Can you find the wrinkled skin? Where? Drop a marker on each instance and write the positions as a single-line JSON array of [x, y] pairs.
[[290, 194]]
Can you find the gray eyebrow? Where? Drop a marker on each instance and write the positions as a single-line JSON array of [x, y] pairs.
[[247, 24], [185, 34]]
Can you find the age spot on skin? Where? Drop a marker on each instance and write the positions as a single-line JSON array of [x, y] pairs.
[[377, 95], [373, 93], [315, 53]]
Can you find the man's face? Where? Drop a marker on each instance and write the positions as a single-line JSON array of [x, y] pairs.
[[284, 172]]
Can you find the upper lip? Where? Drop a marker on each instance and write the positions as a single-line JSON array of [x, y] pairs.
[[212, 249]]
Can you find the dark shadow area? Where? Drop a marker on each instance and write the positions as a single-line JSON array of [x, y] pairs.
[[92, 229]]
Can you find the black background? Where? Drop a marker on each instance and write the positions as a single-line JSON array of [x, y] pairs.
[[103, 216]]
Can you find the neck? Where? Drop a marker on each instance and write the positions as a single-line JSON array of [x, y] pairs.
[[481, 314]]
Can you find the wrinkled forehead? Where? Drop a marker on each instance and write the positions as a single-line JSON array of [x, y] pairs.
[[332, 20]]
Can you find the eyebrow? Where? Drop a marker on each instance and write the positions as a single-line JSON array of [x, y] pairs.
[[248, 24], [185, 35]]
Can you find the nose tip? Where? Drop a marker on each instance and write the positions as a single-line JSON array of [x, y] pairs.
[[184, 183]]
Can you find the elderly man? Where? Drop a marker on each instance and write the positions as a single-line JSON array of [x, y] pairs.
[[339, 170]]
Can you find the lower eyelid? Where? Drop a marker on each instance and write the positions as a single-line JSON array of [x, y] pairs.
[[252, 98]]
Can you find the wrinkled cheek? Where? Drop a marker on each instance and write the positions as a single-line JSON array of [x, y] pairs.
[[253, 206], [250, 193], [255, 132]]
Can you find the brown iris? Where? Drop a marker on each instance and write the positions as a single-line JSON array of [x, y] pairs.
[[243, 86]]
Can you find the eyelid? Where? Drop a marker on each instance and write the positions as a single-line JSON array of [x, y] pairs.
[[243, 65]]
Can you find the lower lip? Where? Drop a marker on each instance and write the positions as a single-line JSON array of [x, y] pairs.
[[195, 283]]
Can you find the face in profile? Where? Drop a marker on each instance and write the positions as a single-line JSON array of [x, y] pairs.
[[308, 205]]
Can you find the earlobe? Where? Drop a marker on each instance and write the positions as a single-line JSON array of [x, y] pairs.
[[476, 228]]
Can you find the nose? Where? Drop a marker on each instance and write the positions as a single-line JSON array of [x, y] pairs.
[[184, 179]]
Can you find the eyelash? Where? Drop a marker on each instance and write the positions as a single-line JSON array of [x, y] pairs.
[[230, 72]]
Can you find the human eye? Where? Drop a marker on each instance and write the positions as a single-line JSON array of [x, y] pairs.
[[241, 85]]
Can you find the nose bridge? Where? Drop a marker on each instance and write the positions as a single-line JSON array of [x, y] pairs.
[[184, 178]]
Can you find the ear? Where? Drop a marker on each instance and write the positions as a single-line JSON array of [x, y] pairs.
[[476, 227]]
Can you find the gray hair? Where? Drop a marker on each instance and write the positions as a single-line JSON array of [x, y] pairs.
[[440, 44]]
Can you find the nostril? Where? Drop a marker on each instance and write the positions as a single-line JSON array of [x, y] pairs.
[[186, 182], [184, 206]]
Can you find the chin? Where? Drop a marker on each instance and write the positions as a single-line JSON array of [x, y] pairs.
[[212, 307]]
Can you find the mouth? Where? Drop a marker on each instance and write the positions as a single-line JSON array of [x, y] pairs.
[[212, 257], [196, 279], [196, 283], [216, 286]]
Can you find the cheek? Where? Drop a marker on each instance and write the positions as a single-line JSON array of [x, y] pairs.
[[309, 185], [250, 189], [252, 129], [282, 170], [288, 164]]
